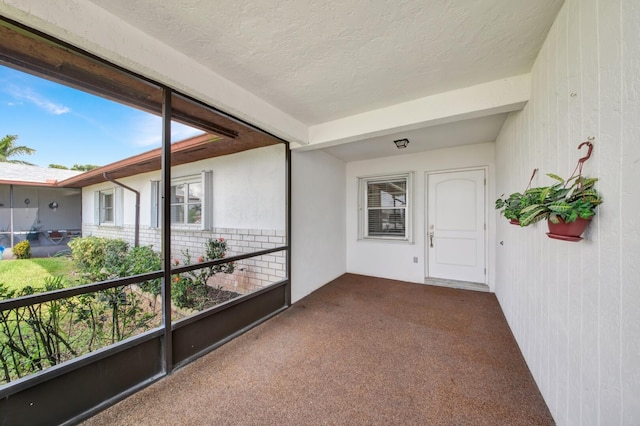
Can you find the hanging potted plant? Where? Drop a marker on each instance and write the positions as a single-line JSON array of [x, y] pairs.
[[511, 207], [567, 205]]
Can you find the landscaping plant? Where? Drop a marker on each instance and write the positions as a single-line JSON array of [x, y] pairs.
[[190, 289], [22, 250]]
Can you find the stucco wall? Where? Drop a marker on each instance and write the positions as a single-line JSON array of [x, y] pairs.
[[249, 212], [318, 221], [394, 260], [248, 190], [573, 307]]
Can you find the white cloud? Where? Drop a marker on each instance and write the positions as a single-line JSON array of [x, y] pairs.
[[25, 93]]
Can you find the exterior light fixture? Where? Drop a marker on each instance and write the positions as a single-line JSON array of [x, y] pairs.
[[401, 143], [53, 205]]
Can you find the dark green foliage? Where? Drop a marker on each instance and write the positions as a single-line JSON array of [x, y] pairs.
[[39, 336], [566, 200], [143, 259], [187, 293], [22, 250], [100, 258], [189, 290], [115, 258]]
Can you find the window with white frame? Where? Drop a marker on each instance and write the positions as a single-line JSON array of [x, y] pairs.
[[186, 203], [385, 207], [108, 207], [190, 199]]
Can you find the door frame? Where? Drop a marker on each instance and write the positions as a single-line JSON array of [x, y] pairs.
[[425, 219]]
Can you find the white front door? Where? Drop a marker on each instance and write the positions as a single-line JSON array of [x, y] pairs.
[[456, 226]]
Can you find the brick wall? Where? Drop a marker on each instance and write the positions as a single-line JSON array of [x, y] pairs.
[[249, 275]]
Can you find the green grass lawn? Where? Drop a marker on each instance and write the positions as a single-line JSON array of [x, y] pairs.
[[17, 274]]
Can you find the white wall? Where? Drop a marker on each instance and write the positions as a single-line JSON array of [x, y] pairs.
[[248, 190], [574, 307], [318, 221], [394, 260]]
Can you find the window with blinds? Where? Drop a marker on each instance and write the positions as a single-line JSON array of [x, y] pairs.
[[385, 207]]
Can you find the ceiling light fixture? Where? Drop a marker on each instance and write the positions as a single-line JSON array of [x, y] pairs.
[[401, 143]]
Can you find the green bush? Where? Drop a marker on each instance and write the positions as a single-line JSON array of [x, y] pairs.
[[100, 258], [188, 293], [189, 289], [22, 250], [88, 253], [115, 258], [143, 259]]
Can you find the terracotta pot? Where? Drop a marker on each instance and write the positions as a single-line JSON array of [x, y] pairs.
[[567, 231]]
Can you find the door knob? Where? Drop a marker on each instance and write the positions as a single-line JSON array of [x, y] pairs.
[[431, 236]]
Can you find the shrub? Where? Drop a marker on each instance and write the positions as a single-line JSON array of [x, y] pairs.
[[115, 258], [22, 250], [143, 259], [189, 289], [100, 258], [88, 253], [188, 293]]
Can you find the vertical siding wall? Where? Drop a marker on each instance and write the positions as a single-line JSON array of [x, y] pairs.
[[575, 307]]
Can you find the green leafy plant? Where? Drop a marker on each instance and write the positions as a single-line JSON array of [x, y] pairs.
[[88, 253], [511, 207], [22, 250], [189, 289], [100, 258], [567, 200], [144, 259]]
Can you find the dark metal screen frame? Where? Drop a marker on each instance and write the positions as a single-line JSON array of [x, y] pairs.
[[66, 393]]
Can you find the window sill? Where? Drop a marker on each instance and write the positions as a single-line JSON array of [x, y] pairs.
[[386, 240]]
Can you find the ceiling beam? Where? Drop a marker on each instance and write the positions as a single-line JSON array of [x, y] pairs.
[[495, 97]]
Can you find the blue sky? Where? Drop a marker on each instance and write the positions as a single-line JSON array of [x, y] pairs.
[[66, 126]]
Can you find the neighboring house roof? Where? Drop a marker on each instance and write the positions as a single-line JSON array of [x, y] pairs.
[[189, 150], [21, 174]]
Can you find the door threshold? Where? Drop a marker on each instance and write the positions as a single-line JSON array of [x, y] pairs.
[[464, 285]]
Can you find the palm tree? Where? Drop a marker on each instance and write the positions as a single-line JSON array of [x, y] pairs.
[[8, 149]]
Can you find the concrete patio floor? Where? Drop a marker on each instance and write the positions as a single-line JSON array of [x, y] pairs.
[[359, 350]]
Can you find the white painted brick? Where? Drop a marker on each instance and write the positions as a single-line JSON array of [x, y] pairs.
[[276, 266]]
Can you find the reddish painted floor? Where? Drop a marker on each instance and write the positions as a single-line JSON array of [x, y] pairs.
[[360, 350]]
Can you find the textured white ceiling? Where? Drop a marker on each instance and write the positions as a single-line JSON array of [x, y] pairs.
[[467, 132], [322, 60]]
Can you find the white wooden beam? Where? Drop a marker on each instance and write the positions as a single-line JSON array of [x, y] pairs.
[[495, 97]]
